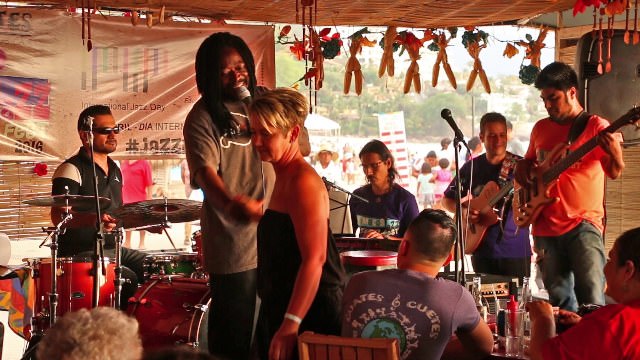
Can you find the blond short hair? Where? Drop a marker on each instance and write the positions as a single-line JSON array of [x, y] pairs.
[[102, 333], [280, 108]]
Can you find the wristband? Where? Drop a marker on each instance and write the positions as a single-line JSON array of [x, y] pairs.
[[294, 318]]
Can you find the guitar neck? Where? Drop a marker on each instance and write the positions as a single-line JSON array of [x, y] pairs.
[[630, 117], [504, 191], [569, 160]]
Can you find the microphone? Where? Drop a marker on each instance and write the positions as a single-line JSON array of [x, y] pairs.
[[446, 114], [88, 123], [243, 94]]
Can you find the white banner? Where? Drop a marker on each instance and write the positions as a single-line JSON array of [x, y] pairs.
[[146, 75], [392, 134]]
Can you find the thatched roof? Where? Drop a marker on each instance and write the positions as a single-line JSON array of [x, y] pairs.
[[403, 13]]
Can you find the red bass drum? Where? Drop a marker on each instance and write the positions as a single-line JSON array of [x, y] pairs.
[[172, 310]]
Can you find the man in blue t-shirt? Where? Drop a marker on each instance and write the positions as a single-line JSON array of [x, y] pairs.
[[505, 249], [411, 304], [389, 208]]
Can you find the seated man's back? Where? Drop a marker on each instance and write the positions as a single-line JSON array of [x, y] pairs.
[[410, 304], [419, 310]]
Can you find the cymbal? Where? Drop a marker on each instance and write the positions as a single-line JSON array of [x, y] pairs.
[[82, 201], [153, 212]]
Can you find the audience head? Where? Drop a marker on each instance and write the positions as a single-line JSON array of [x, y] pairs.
[[428, 240], [509, 130], [432, 158], [622, 270], [475, 144], [425, 169], [557, 75], [102, 333], [444, 143], [443, 163], [377, 162]]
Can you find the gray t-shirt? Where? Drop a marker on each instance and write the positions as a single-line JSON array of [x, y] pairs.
[[228, 246], [418, 310]]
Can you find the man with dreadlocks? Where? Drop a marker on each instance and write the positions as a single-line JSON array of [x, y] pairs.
[[228, 169]]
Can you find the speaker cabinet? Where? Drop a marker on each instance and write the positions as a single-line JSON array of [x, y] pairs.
[[609, 94]]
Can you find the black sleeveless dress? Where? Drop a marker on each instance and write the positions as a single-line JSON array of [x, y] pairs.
[[278, 264]]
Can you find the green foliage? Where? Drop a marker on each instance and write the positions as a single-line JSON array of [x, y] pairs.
[[528, 74], [289, 70]]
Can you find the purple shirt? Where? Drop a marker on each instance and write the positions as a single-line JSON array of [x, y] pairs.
[[389, 213], [514, 241], [420, 311]]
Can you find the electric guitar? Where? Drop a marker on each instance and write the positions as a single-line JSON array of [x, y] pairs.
[[490, 195], [529, 201]]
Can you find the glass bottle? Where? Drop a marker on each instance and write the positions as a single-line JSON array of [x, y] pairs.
[[477, 296], [525, 297]]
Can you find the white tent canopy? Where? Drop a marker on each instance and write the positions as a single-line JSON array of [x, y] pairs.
[[320, 125]]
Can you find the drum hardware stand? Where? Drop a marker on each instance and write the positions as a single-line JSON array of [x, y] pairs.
[[37, 330], [118, 280], [54, 232], [166, 223]]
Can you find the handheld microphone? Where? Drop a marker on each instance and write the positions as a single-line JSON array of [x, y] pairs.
[[243, 94], [446, 114]]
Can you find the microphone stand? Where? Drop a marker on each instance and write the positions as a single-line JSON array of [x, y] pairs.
[[458, 251], [98, 246], [118, 281], [331, 185], [459, 247]]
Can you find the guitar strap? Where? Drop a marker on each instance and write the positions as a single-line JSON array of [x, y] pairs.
[[508, 165], [578, 126]]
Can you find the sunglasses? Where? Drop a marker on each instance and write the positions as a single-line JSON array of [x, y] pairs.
[[106, 130]]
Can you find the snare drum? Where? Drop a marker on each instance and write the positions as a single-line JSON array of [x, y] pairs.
[[184, 264], [75, 284], [172, 310]]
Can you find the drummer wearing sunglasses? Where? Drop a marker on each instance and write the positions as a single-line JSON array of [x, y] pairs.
[[97, 129]]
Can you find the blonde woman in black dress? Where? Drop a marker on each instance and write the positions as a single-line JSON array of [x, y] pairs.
[[300, 277]]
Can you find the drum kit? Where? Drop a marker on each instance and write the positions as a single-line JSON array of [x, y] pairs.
[[170, 306]]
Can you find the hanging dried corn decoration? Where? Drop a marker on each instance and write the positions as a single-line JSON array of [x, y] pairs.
[[474, 40], [442, 59], [411, 45], [89, 44], [317, 62], [308, 8], [353, 67], [387, 62]]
